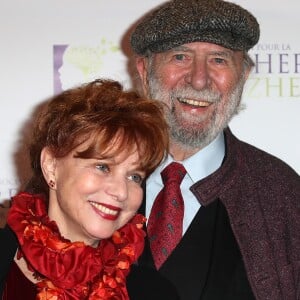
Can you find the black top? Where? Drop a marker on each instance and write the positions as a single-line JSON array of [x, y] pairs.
[[8, 248]]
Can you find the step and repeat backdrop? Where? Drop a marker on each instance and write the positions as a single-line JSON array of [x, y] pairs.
[[48, 46]]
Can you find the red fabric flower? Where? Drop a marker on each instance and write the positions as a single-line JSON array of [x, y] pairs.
[[73, 270]]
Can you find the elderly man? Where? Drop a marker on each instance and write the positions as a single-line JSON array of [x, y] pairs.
[[230, 229]]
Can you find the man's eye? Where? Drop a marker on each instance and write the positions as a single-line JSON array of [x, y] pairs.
[[103, 168], [179, 56], [219, 60], [136, 178]]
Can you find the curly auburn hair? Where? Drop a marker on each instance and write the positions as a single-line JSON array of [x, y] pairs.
[[102, 112]]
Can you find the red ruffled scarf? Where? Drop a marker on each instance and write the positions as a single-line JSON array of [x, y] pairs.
[[73, 270]]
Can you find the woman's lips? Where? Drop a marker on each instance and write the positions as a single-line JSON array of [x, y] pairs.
[[106, 211]]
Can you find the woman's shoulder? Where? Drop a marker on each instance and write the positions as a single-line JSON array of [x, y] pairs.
[[8, 248], [9, 244]]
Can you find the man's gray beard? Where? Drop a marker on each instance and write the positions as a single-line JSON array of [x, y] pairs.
[[191, 138]]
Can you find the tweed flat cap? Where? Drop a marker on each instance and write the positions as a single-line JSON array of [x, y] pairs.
[[179, 22]]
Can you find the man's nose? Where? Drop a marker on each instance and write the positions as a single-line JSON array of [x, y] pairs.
[[198, 76]]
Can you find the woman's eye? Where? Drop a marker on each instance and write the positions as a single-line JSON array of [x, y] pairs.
[[103, 168], [136, 178]]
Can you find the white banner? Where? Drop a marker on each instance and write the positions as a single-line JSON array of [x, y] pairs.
[[50, 45]]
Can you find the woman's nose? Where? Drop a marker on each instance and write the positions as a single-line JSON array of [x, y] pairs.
[[118, 189]]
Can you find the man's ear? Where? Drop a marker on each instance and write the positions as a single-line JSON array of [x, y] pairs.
[[247, 72], [141, 66], [48, 164]]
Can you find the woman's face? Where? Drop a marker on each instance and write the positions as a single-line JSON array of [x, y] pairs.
[[93, 197]]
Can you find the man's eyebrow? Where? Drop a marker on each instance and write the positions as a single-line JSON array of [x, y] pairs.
[[222, 53]]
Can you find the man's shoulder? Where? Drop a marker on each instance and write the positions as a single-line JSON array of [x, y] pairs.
[[256, 158]]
